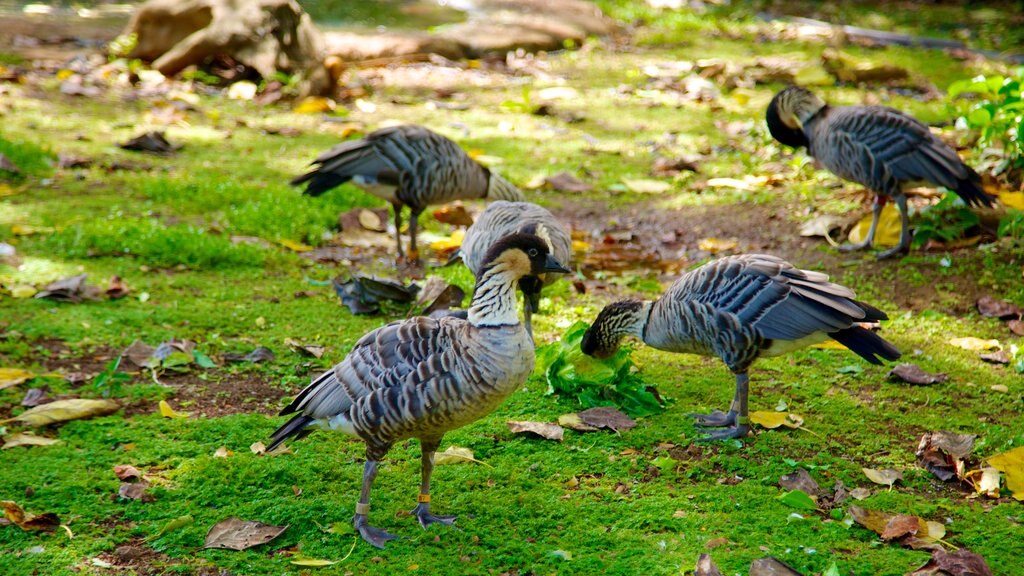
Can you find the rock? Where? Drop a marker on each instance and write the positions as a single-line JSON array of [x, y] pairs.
[[267, 35], [351, 46]]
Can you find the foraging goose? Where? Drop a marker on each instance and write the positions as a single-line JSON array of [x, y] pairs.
[[407, 166], [740, 308], [501, 218], [421, 377], [878, 147]]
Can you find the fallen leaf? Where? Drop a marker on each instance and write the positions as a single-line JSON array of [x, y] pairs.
[[134, 491], [127, 472], [1012, 464], [167, 412], [314, 105], [800, 479], [371, 220], [139, 353], [913, 374], [439, 295], [26, 439], [673, 166], [885, 477], [117, 288], [901, 525], [293, 245], [222, 452], [236, 534], [606, 417], [988, 482], [706, 567], [1015, 326], [641, 186], [1011, 199], [565, 182], [773, 420], [799, 499], [64, 410], [313, 563], [14, 376], [716, 245], [179, 522], [445, 246], [363, 294], [573, 422], [973, 344], [771, 566], [716, 542], [963, 562], [242, 90], [71, 289], [260, 354], [454, 214], [314, 350], [941, 453], [454, 455], [888, 232], [14, 513], [152, 142], [997, 357], [989, 307], [821, 226], [542, 429], [860, 493]]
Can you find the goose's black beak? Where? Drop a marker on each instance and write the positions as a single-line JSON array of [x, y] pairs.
[[552, 265]]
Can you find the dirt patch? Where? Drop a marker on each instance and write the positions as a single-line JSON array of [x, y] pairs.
[[138, 558]]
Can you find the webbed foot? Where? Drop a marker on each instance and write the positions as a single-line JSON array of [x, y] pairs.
[[374, 536], [716, 419], [422, 512]]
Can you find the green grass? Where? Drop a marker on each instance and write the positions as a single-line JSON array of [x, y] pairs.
[[645, 501]]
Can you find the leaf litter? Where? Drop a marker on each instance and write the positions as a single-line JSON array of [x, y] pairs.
[[885, 477], [237, 534], [911, 531], [913, 374], [545, 430], [64, 410], [47, 522]]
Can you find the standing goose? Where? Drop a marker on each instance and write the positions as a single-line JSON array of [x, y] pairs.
[[877, 147], [501, 218], [421, 377], [740, 308], [407, 166]]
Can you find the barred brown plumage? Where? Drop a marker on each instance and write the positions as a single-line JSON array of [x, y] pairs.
[[501, 218], [740, 308], [421, 377], [878, 147], [407, 166]]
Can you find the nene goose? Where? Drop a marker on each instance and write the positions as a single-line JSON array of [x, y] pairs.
[[421, 377], [407, 166], [501, 218], [740, 308], [877, 147]]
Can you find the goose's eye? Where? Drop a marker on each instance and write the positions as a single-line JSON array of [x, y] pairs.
[[533, 252]]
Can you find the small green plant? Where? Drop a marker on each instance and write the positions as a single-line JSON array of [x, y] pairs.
[[593, 382], [1012, 225], [997, 113], [944, 222], [108, 383]]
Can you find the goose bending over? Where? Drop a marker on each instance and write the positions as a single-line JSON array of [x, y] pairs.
[[421, 377], [740, 308], [407, 166], [877, 147]]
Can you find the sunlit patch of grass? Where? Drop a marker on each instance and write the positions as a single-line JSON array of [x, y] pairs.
[[30, 158], [36, 271]]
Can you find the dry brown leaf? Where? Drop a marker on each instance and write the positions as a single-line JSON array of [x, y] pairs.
[[454, 214], [134, 491], [997, 357], [542, 429], [989, 307], [901, 525], [706, 567], [771, 566], [885, 477], [913, 374], [26, 439], [800, 480], [14, 513], [942, 453], [606, 417], [236, 534], [117, 288], [860, 493], [565, 182], [127, 472], [963, 562], [64, 410], [1016, 326], [314, 350]]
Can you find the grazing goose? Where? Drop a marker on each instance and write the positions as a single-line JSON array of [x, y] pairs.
[[501, 218], [878, 147], [421, 377], [740, 308], [407, 166]]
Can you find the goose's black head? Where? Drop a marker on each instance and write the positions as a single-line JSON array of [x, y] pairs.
[[523, 255], [615, 322], [787, 113]]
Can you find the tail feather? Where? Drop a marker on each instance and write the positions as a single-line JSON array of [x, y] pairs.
[[871, 314], [295, 427], [866, 344], [320, 181], [971, 191]]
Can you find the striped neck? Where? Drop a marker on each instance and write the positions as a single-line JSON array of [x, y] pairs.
[[643, 316], [494, 298]]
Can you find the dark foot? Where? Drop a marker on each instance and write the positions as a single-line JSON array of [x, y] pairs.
[[422, 512], [716, 419], [738, 431], [892, 252], [374, 536], [852, 247]]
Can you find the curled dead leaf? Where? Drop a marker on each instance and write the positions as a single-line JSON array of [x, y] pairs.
[[963, 562], [913, 374], [127, 472], [454, 455], [606, 417], [543, 429], [989, 307], [26, 521], [26, 439], [801, 480], [885, 477]]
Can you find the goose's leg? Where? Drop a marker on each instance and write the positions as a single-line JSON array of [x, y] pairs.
[[374, 536], [414, 222], [876, 213], [398, 228], [904, 245], [735, 423], [422, 510]]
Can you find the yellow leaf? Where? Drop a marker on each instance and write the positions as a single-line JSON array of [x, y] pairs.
[[26, 439], [641, 186], [6, 190], [988, 483], [579, 246], [1012, 464], [473, 64], [63, 410], [294, 246], [312, 562], [14, 376], [314, 105], [931, 531], [445, 246], [22, 291], [454, 455], [829, 345], [64, 74], [775, 419], [167, 412], [813, 76], [1012, 199], [716, 245], [972, 344], [888, 232]]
